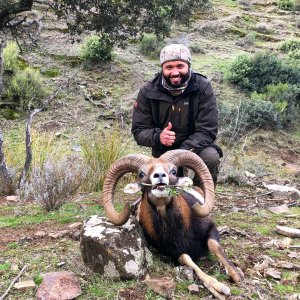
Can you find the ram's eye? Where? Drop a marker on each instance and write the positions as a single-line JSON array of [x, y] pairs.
[[141, 175], [173, 172]]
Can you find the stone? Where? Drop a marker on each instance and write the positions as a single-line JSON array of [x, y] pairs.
[[164, 286], [40, 234], [194, 288], [76, 225], [59, 286], [282, 209], [283, 191], [118, 252], [12, 198], [24, 285], [58, 234]]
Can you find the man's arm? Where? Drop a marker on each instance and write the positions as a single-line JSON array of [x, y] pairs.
[[206, 123], [143, 127]]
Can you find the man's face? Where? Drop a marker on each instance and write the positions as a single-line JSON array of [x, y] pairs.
[[175, 72]]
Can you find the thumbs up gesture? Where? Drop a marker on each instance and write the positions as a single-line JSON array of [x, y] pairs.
[[167, 137]]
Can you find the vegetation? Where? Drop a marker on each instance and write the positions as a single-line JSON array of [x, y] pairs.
[[26, 89], [120, 21], [96, 49], [151, 46], [54, 183], [285, 4], [98, 156], [257, 72]]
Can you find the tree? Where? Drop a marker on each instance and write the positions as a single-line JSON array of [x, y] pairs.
[[10, 12], [121, 20]]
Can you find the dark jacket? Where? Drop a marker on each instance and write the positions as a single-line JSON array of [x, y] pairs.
[[193, 114]]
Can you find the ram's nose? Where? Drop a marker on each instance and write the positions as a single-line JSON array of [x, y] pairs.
[[161, 176]]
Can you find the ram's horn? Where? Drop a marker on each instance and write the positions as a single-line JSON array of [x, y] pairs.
[[126, 164], [184, 158]]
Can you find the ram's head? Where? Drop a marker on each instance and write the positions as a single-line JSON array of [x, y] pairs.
[[157, 178]]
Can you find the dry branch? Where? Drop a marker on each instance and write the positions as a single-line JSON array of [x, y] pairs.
[[45, 104], [13, 282], [5, 178]]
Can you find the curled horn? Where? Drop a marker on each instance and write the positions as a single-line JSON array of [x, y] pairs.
[[126, 164], [184, 158]]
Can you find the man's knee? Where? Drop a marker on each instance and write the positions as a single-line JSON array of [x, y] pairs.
[[212, 159], [210, 156]]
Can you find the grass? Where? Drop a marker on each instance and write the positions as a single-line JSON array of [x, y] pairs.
[[33, 214]]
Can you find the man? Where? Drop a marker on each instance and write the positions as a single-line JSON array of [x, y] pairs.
[[177, 110]]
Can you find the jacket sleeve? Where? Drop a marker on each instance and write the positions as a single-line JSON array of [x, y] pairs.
[[143, 127], [206, 122]]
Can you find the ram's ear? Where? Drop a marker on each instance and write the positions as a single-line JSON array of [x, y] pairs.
[[132, 188], [184, 182]]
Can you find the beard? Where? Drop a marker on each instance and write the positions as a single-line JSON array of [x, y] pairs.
[[183, 80]]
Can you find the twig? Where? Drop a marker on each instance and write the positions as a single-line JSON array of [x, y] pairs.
[[13, 282], [294, 247], [244, 196]]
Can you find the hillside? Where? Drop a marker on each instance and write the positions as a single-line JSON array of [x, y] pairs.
[[97, 102]]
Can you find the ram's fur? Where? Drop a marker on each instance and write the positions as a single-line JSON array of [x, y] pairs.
[[173, 215]]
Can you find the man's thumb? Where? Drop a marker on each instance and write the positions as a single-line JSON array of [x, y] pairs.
[[169, 127]]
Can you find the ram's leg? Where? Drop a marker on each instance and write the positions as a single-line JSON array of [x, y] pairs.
[[235, 274], [213, 285]]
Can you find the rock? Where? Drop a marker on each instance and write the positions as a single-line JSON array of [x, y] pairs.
[[283, 191], [24, 285], [40, 234], [59, 286], [273, 273], [75, 235], [115, 251], [164, 286], [194, 288], [59, 234], [282, 209], [12, 198], [76, 225], [185, 273], [288, 231]]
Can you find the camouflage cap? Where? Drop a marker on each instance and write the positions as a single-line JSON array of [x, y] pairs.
[[175, 52]]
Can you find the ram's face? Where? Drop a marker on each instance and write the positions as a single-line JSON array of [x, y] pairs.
[[157, 177]]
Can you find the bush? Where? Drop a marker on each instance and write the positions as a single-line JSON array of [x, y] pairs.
[[27, 89], [10, 56], [236, 121], [98, 155], [285, 4], [96, 49], [255, 73], [286, 99], [54, 183], [150, 46], [290, 45]]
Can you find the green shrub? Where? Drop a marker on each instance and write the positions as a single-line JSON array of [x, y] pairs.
[[290, 45], [236, 121], [96, 49], [286, 99], [285, 4], [150, 46], [27, 89], [255, 73], [10, 56]]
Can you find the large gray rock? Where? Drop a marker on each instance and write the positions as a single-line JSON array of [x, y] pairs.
[[115, 251]]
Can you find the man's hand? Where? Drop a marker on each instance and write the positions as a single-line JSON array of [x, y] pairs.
[[167, 137]]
